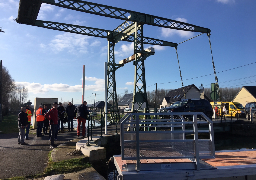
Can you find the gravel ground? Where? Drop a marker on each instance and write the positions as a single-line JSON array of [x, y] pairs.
[[26, 160]]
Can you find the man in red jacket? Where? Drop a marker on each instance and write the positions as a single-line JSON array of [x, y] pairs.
[[52, 116]]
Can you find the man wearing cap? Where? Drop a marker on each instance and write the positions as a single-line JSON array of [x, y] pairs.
[[22, 123], [61, 111], [52, 116]]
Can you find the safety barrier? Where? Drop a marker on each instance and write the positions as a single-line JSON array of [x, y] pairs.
[[174, 136]]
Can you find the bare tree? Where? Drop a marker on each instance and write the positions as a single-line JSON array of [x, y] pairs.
[[226, 94], [7, 87], [22, 93]]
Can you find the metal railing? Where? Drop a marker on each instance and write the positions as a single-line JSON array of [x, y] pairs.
[[173, 136]]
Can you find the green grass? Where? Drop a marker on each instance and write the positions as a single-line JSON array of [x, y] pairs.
[[62, 167], [66, 166], [9, 124]]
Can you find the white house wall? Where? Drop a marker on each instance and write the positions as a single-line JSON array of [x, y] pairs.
[[193, 93], [243, 97]]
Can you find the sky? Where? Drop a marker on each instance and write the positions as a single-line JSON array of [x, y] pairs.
[[49, 63]]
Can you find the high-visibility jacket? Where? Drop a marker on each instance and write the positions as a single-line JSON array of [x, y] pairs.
[[39, 115], [29, 115]]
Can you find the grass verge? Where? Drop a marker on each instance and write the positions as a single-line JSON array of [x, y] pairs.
[[9, 124], [66, 166]]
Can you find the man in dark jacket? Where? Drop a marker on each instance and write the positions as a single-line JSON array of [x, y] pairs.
[[22, 124], [52, 116], [70, 110], [81, 116], [61, 111]]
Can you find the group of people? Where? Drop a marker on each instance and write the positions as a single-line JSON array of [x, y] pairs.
[[53, 118]]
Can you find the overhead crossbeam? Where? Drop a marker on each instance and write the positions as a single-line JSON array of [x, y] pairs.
[[123, 14], [148, 52], [102, 33]]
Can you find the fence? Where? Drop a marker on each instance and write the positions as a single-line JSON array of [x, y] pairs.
[[174, 136]]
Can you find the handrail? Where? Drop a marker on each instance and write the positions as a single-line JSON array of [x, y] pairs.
[[166, 138]]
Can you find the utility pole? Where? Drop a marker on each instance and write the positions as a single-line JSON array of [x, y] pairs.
[[83, 86], [155, 97]]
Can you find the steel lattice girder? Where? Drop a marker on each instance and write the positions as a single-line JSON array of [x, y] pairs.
[[128, 15]]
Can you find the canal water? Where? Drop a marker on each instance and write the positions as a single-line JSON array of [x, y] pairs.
[[231, 142]]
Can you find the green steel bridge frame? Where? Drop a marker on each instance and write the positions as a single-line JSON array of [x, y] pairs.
[[131, 30]]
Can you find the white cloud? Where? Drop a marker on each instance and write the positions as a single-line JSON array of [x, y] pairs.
[[36, 88], [96, 43], [11, 18], [44, 9], [159, 48], [129, 83], [72, 43], [166, 32], [69, 17], [59, 13], [226, 1], [10, 4]]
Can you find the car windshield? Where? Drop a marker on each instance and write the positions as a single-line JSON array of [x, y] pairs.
[[178, 104], [239, 106]]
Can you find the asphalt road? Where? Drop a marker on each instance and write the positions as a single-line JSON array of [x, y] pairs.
[[26, 160]]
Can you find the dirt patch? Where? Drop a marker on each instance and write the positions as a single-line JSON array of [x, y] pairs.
[[66, 151]]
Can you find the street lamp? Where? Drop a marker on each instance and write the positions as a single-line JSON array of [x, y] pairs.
[[94, 100]]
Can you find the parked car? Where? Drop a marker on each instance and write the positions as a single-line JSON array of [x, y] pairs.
[[250, 108], [190, 105], [127, 109]]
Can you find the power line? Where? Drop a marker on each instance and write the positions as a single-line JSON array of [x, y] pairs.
[[231, 69]]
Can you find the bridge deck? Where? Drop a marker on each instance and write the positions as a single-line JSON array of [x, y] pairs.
[[238, 163]]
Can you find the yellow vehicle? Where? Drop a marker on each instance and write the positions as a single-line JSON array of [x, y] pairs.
[[233, 109]]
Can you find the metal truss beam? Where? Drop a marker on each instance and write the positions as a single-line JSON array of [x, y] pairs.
[[102, 33], [123, 14]]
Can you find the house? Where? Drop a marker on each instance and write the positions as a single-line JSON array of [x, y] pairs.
[[245, 95], [126, 102], [99, 105], [187, 92]]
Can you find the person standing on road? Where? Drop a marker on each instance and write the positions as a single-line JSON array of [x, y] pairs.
[[40, 121], [46, 121], [81, 116], [61, 111], [70, 110], [28, 111], [22, 123], [52, 116]]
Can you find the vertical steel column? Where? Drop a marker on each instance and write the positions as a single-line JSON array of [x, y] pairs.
[[196, 147], [106, 97], [140, 93], [111, 80], [137, 143]]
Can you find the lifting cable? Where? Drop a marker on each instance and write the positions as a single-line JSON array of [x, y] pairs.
[[179, 62], [216, 78], [180, 72], [191, 38], [215, 74]]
